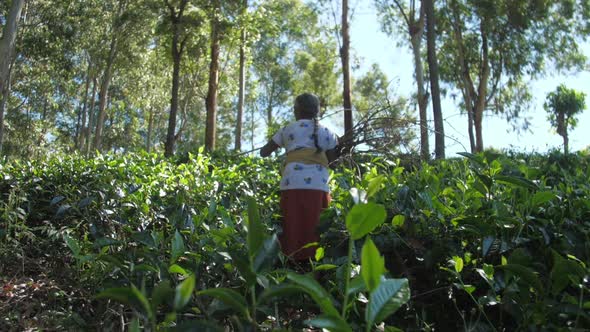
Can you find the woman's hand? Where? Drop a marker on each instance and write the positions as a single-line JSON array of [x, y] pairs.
[[269, 148]]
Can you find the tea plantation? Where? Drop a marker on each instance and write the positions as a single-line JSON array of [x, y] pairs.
[[487, 242]]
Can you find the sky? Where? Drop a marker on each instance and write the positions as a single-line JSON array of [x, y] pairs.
[[374, 46]]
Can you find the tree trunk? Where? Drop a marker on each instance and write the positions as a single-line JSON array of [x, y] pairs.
[[5, 93], [565, 142], [269, 117], [148, 139], [416, 34], [91, 117], [7, 44], [103, 94], [562, 130], [211, 101], [177, 50], [468, 88], [252, 128], [170, 136], [81, 125], [484, 76], [242, 83], [344, 56], [439, 132]]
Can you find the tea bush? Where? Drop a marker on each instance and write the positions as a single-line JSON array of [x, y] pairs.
[[486, 242]]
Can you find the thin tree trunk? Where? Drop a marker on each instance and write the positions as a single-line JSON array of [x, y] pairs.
[[148, 140], [565, 142], [103, 94], [7, 44], [242, 83], [169, 146], [91, 117], [482, 88], [3, 101], [211, 101], [177, 50], [469, 94], [81, 125], [252, 128], [269, 116], [562, 130], [439, 132], [344, 56], [416, 34]]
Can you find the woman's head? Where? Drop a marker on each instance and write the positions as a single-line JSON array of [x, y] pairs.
[[307, 106]]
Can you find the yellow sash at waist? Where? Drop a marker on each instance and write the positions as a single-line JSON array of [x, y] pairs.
[[307, 156]]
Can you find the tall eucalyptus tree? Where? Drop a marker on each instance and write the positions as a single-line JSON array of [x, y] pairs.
[[413, 15], [7, 44]]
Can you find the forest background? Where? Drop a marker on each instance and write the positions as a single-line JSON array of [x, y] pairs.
[[165, 75]]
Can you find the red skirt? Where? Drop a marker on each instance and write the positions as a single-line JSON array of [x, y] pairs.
[[301, 210]]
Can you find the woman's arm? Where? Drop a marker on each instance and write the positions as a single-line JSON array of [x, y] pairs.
[[269, 148]]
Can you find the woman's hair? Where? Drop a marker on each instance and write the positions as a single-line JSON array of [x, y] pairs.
[[309, 107]]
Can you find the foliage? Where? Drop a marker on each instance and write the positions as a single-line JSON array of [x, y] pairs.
[[488, 241], [563, 105], [491, 49]]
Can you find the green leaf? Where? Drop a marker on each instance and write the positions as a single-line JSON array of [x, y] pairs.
[[524, 273], [56, 200], [487, 245], [283, 291], [267, 254], [62, 210], [242, 263], [486, 180], [542, 197], [175, 268], [386, 300], [364, 218], [256, 233], [178, 247], [144, 267], [85, 202], [489, 270], [329, 322], [134, 326], [516, 181], [563, 272], [316, 291], [473, 157], [73, 245], [144, 238], [230, 297], [183, 292], [458, 262], [319, 254], [372, 265], [398, 220], [130, 296], [375, 185], [325, 267], [105, 242]]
